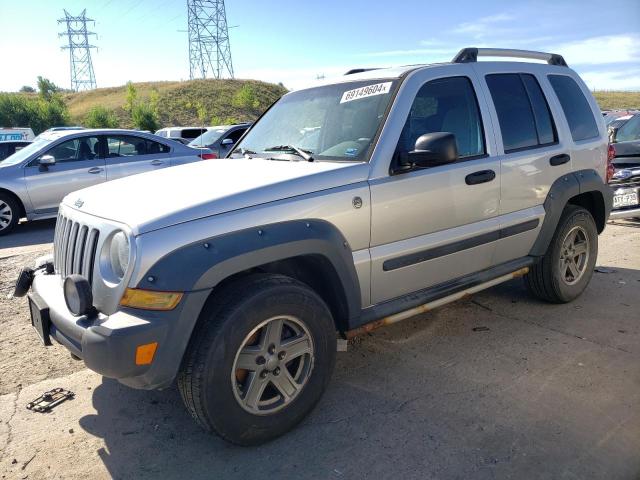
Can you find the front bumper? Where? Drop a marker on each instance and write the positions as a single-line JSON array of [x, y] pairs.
[[107, 344], [624, 213]]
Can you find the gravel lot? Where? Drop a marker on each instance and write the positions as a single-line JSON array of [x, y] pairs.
[[497, 386]]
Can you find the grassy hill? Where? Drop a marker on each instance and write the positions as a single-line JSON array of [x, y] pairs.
[[617, 100], [179, 102]]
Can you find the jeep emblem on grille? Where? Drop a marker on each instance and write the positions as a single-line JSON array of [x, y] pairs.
[[79, 203]]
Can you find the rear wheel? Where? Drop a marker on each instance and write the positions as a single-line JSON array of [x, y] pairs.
[[259, 360], [9, 213], [567, 266]]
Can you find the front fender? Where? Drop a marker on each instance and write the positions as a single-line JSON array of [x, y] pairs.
[[204, 264]]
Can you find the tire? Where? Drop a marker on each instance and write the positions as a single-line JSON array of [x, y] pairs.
[[231, 331], [557, 282], [9, 213]]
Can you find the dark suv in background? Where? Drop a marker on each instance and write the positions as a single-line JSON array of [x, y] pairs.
[[625, 152], [220, 140]]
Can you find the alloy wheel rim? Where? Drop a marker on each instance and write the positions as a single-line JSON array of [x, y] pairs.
[[574, 255], [272, 365], [6, 215]]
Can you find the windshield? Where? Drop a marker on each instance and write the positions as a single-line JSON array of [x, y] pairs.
[[333, 122], [209, 137], [25, 152]]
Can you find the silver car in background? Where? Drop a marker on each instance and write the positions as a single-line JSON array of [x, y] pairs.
[[34, 180]]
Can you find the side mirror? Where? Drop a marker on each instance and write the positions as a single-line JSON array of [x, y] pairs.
[[46, 161], [227, 142], [431, 150], [613, 133]]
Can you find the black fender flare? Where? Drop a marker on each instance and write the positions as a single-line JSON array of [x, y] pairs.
[[561, 191], [204, 264]]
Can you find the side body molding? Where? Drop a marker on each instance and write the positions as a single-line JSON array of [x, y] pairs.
[[562, 190], [204, 264]]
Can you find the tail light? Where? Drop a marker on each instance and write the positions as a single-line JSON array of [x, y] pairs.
[[611, 154], [208, 156]]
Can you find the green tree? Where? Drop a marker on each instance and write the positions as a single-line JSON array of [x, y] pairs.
[[101, 117], [132, 97], [27, 89], [144, 117], [47, 88], [245, 98]]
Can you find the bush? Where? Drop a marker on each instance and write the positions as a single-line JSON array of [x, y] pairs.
[[246, 98], [145, 117], [101, 117], [39, 113]]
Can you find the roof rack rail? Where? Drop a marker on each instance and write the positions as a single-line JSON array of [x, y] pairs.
[[471, 54], [360, 70]]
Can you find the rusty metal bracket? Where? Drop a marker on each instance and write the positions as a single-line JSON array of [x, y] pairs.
[[50, 399]]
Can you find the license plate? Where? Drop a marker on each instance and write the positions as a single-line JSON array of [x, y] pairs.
[[40, 320], [625, 198]]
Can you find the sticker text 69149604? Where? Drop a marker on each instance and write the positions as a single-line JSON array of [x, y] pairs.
[[368, 91]]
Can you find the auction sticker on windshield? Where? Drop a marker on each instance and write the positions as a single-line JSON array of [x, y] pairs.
[[364, 92]]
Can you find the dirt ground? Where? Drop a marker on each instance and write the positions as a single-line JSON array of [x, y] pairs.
[[497, 386]]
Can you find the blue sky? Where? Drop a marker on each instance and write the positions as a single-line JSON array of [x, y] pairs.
[[293, 42]]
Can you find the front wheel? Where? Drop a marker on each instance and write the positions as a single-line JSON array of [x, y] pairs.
[[259, 360], [567, 266]]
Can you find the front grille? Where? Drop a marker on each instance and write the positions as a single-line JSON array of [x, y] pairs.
[[74, 248]]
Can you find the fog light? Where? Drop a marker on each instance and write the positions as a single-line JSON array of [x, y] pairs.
[[77, 294]]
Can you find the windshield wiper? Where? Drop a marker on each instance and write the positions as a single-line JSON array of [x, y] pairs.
[[246, 153], [292, 148]]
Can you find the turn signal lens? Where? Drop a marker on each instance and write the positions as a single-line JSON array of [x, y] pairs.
[[150, 299], [145, 353]]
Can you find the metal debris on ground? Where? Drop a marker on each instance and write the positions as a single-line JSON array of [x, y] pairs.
[[50, 399], [481, 329], [604, 270]]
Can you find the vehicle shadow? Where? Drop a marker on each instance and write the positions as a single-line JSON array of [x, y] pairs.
[[627, 222], [488, 387], [28, 234]]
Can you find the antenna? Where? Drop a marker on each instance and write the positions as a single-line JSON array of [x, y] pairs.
[[82, 76], [209, 48]]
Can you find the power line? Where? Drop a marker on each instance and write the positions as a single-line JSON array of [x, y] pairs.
[[82, 76], [209, 48]]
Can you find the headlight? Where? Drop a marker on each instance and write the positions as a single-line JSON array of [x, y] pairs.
[[119, 254]]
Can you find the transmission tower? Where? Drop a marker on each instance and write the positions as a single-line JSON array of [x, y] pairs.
[[82, 77], [209, 49]]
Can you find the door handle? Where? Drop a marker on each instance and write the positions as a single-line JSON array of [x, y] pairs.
[[157, 162], [94, 170], [482, 176], [559, 159]]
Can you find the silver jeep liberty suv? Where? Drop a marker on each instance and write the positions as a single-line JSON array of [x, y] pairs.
[[345, 207]]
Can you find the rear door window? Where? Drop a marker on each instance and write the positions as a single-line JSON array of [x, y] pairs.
[[125, 146], [575, 107], [523, 113], [154, 148]]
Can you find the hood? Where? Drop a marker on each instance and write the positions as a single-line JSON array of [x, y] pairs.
[[161, 198]]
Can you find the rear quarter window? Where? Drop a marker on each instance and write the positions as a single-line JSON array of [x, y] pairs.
[[576, 109]]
